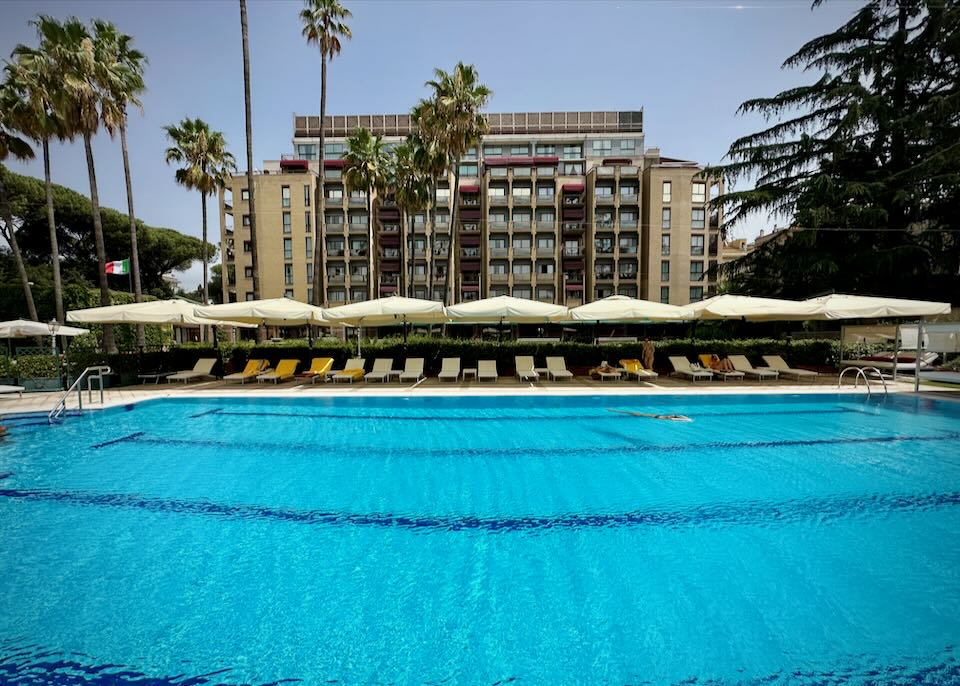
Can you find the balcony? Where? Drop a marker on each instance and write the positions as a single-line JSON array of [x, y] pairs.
[[336, 278], [357, 201], [469, 201], [606, 170], [358, 228], [605, 198], [603, 223], [497, 199], [499, 252], [603, 249], [573, 277], [358, 278], [522, 199], [498, 171], [522, 277], [629, 198], [572, 200], [499, 278], [629, 170], [628, 224], [546, 200], [390, 254], [419, 278], [390, 228], [470, 253], [629, 276], [443, 200], [573, 252], [546, 172], [495, 224], [571, 228], [545, 225], [442, 252], [388, 202], [628, 250], [522, 173], [419, 252], [521, 224], [358, 252], [604, 276], [521, 252], [389, 280]]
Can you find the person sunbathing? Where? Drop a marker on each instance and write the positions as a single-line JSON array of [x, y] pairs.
[[724, 365], [650, 415]]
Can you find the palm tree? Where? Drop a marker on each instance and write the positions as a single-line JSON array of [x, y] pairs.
[[11, 145], [248, 119], [432, 163], [323, 25], [412, 192], [32, 74], [120, 76], [452, 116], [367, 167], [207, 167]]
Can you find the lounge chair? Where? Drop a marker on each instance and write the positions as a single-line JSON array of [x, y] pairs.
[[252, 370], [525, 370], [487, 369], [412, 370], [286, 369], [352, 370], [742, 364], [634, 367], [449, 369], [381, 370], [12, 389], [778, 364], [319, 368], [203, 369], [707, 361], [557, 369], [608, 372], [683, 368]]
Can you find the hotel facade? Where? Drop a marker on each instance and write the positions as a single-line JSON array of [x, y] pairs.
[[561, 207]]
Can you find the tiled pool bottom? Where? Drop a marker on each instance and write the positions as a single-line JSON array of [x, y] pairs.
[[774, 539]]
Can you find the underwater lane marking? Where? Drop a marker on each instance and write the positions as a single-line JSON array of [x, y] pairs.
[[114, 441], [216, 410], [749, 513]]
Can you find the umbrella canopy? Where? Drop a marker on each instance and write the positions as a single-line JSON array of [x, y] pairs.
[[272, 311], [507, 309], [621, 308], [395, 309], [753, 309], [174, 311], [24, 328], [840, 306]]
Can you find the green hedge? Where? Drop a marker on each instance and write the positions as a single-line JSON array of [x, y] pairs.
[[814, 353]]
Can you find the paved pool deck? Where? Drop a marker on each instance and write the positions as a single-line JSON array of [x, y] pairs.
[[43, 402]]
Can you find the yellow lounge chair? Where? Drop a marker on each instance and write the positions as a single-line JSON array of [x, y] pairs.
[[253, 369], [319, 367], [284, 371], [634, 367], [352, 371]]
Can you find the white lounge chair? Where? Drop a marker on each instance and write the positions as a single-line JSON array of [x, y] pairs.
[[412, 370], [203, 369], [557, 369], [449, 369], [683, 368], [487, 369], [12, 389], [742, 364], [352, 370], [778, 364], [525, 370], [381, 370]]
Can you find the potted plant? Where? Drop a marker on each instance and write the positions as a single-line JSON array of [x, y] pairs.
[[39, 372]]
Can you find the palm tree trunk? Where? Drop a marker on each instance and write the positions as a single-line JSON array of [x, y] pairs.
[[203, 248], [370, 284], [449, 281], [319, 244], [52, 225], [404, 254], [431, 239], [134, 251], [108, 341], [10, 234], [251, 195]]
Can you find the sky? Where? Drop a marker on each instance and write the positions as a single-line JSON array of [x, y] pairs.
[[687, 63]]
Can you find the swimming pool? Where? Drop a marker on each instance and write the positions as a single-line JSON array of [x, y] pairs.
[[774, 539]]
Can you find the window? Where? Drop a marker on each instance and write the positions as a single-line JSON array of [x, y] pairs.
[[603, 147], [546, 218], [443, 195], [333, 151], [521, 268], [498, 217], [519, 150], [628, 245], [245, 220], [285, 196], [665, 244], [697, 218], [309, 274], [470, 154], [308, 246], [497, 192], [306, 151], [629, 291], [544, 267], [498, 243], [492, 151], [628, 219], [546, 150], [605, 219], [696, 293], [248, 272], [358, 194], [335, 248], [420, 293], [665, 220], [306, 196], [288, 248], [572, 152], [605, 191], [696, 271], [665, 270], [358, 219], [667, 191], [287, 222], [247, 247], [545, 192], [337, 295], [699, 191], [603, 244], [522, 191], [420, 269], [628, 145], [521, 219], [496, 291], [573, 168], [545, 243], [442, 218], [665, 294], [248, 297], [288, 274], [524, 292], [468, 170], [498, 267], [335, 219], [696, 245], [244, 194], [310, 295], [307, 220], [627, 191], [545, 294], [334, 194], [332, 174]]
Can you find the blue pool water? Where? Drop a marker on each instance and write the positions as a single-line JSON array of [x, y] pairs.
[[773, 540]]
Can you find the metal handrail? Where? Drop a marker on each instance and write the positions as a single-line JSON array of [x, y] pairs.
[[88, 375], [861, 372]]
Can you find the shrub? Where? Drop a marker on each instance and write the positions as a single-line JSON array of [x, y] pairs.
[[37, 367]]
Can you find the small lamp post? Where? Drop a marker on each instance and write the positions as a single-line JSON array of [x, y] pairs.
[[54, 327]]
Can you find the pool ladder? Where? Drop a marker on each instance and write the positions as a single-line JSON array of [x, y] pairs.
[[90, 374], [861, 373]]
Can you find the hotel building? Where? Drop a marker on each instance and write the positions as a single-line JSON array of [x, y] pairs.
[[562, 207]]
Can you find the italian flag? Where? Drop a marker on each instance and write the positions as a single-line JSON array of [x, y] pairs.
[[121, 267]]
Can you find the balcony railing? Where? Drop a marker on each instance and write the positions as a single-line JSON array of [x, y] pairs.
[[358, 201], [390, 228], [358, 252], [358, 278], [389, 280], [499, 252], [605, 198], [603, 276], [543, 225], [521, 224], [546, 200], [443, 200], [499, 278], [522, 276], [496, 224], [497, 199], [604, 223], [521, 198], [329, 227], [628, 275], [498, 171], [605, 170], [545, 172], [629, 170], [603, 249], [630, 198], [354, 228], [573, 252], [572, 227], [628, 250], [572, 200], [521, 252], [628, 223], [469, 201], [336, 278], [470, 252], [390, 254], [522, 172]]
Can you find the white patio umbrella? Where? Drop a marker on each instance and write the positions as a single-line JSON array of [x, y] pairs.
[[622, 308], [173, 311], [839, 306], [394, 309], [747, 307], [271, 311], [24, 328], [506, 309]]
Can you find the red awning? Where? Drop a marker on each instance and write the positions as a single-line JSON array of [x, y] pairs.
[[573, 213], [390, 239], [546, 160], [520, 161], [574, 286], [573, 264], [470, 215], [471, 287], [470, 266], [390, 266], [333, 164], [572, 188], [294, 164], [470, 239], [618, 160], [388, 289], [388, 215], [469, 189]]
